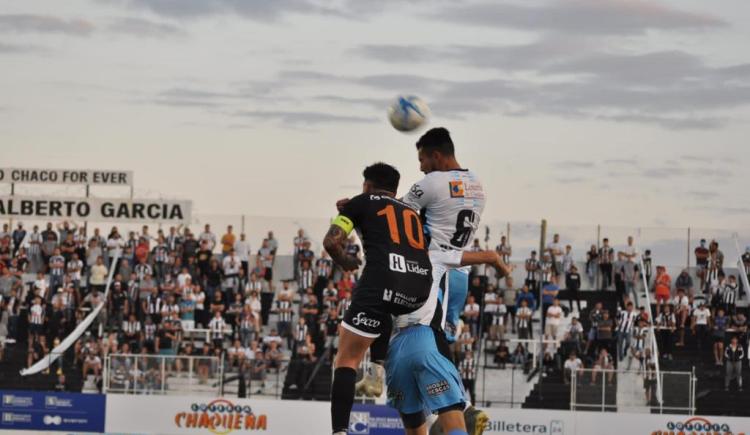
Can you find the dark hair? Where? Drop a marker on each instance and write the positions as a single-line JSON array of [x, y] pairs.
[[437, 139], [382, 176]]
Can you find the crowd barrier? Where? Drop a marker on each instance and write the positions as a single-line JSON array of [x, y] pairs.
[[35, 412]]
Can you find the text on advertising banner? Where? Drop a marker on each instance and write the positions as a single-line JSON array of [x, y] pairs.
[[50, 411], [96, 209], [99, 177]]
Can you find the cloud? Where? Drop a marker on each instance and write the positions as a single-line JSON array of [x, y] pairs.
[[302, 117], [592, 17], [144, 28], [574, 164], [19, 48], [621, 162], [29, 23], [250, 9]]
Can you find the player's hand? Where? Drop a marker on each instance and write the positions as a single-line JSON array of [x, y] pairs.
[[341, 203], [350, 263], [504, 269]]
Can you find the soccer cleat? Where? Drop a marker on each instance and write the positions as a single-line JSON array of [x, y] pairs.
[[476, 420], [371, 384]]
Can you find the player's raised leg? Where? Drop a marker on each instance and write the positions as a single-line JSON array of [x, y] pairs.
[[352, 348]]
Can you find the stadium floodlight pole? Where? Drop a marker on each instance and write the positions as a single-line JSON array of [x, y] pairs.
[[654, 346], [741, 266], [542, 242]]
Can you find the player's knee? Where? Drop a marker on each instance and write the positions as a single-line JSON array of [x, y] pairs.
[[413, 421]]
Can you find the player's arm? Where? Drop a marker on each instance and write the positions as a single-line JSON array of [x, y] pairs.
[[491, 258], [335, 243]]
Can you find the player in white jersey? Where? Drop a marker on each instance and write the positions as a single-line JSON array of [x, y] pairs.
[[451, 200]]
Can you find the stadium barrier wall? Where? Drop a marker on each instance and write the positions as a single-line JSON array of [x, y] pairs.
[[35, 412]]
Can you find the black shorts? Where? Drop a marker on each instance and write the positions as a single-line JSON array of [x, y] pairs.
[[35, 328], [268, 274], [369, 314]]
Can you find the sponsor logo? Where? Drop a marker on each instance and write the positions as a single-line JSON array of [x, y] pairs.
[[402, 299], [359, 423], [362, 319], [438, 388], [57, 402], [414, 267], [457, 189], [696, 426], [220, 416], [502, 426], [387, 295], [12, 418], [13, 401], [52, 420], [398, 263]]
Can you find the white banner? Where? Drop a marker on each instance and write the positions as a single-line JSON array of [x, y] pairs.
[[101, 177], [96, 209], [531, 421], [207, 415]]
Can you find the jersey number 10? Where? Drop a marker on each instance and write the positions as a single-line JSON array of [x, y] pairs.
[[410, 221]]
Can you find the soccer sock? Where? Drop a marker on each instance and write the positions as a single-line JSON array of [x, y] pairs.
[[458, 432], [342, 397]]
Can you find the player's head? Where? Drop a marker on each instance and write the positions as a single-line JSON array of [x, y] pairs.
[[380, 176], [435, 149]]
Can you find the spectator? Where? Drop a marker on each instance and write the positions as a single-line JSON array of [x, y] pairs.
[[700, 324], [242, 248], [298, 242], [666, 324], [207, 238], [572, 365], [639, 344], [649, 379], [554, 317], [604, 331], [662, 287], [227, 241], [685, 282], [502, 354], [532, 269], [495, 313], [606, 258], [471, 314], [625, 323], [523, 317], [573, 284], [603, 363], [549, 296], [573, 337], [719, 332], [266, 257], [520, 356], [555, 251], [468, 369], [505, 251], [647, 269], [729, 295], [733, 356], [592, 264], [681, 305]]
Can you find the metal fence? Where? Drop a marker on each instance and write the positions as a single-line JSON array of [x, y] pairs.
[[609, 390], [163, 374]]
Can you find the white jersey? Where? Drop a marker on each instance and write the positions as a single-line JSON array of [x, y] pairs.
[[453, 202]]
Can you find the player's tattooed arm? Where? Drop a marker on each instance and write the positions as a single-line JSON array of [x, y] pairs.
[[335, 244]]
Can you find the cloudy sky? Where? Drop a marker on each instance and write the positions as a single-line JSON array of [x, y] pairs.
[[626, 112]]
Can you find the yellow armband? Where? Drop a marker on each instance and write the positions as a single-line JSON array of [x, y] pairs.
[[344, 223]]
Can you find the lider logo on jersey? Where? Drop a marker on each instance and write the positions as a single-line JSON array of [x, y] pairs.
[[457, 189], [696, 426], [220, 417]]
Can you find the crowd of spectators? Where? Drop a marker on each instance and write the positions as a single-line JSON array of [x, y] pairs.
[[177, 293]]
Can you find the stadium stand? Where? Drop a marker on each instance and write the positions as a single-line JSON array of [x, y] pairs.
[[202, 313]]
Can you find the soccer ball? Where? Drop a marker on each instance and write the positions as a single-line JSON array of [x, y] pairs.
[[408, 113]]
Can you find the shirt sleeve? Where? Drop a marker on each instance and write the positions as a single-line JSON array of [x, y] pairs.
[[420, 194], [351, 215]]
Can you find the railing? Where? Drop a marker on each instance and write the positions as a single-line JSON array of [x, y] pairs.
[[163, 374], [631, 391]]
